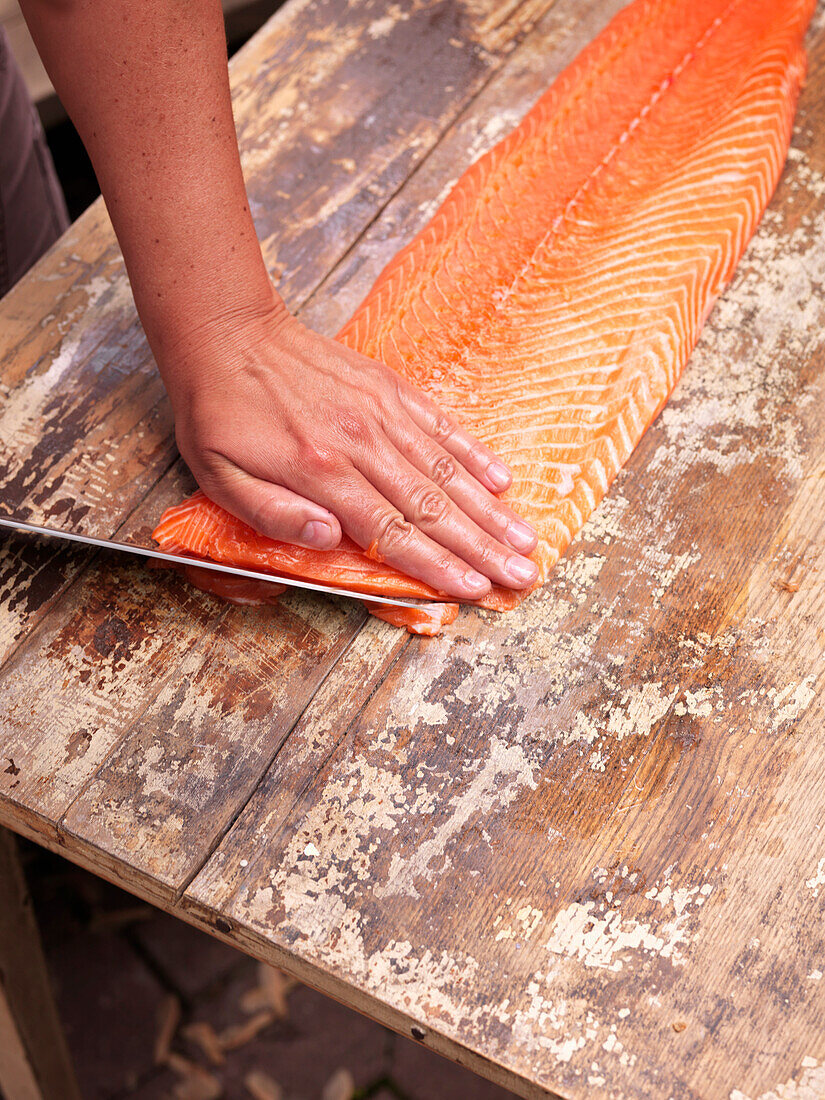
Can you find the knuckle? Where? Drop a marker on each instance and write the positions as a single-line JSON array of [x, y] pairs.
[[493, 516], [317, 458], [385, 386], [477, 454], [326, 461], [486, 554], [398, 387], [445, 564], [393, 534], [353, 428], [431, 506], [443, 428], [444, 470]]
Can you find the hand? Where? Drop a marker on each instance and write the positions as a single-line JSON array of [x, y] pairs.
[[302, 438]]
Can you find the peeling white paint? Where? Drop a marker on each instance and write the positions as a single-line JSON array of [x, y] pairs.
[[795, 699], [635, 712], [808, 1085], [700, 703], [678, 565], [597, 935], [527, 918], [581, 570], [818, 879], [23, 407], [501, 776]]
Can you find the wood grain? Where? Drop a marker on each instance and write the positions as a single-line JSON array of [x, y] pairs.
[[34, 1058], [576, 847], [581, 842], [335, 105]]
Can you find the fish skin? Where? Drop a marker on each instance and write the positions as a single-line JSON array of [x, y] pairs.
[[554, 298]]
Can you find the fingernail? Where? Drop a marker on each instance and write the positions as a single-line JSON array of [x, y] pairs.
[[317, 533], [521, 535], [521, 570], [475, 582], [498, 475]]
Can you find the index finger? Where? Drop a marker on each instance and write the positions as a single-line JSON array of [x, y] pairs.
[[473, 455]]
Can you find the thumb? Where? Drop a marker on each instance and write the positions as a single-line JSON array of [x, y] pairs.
[[274, 511]]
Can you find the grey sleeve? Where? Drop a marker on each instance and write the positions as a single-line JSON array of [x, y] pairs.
[[32, 208]]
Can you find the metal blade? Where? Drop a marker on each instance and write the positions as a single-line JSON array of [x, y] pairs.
[[216, 567]]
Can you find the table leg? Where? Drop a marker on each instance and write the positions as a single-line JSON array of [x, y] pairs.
[[34, 1058]]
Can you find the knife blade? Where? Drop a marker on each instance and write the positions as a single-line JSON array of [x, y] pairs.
[[216, 567]]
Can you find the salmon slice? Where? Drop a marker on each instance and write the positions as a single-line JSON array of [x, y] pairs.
[[553, 300], [199, 526]]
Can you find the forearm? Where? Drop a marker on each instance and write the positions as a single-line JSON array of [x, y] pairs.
[[146, 84]]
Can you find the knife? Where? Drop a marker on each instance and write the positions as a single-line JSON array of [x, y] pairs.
[[216, 567]]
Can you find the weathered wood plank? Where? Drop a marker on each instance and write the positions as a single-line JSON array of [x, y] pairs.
[[62, 399], [224, 707], [177, 700], [171, 652], [197, 751], [552, 839], [128, 826], [335, 105]]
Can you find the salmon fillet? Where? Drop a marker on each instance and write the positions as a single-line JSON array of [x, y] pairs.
[[553, 300]]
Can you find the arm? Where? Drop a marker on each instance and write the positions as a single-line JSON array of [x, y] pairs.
[[263, 407]]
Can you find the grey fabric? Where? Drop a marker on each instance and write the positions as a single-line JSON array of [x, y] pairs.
[[32, 208]]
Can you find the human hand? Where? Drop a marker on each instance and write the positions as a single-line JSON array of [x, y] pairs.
[[302, 438]]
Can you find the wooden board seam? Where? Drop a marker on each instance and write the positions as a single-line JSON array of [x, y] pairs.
[[218, 840], [502, 57]]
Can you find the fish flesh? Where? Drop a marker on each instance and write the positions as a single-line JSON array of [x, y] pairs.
[[552, 302], [199, 526]]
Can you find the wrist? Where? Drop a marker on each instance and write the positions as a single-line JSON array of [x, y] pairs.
[[197, 340]]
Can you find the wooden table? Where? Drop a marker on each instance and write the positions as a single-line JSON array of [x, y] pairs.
[[579, 847]]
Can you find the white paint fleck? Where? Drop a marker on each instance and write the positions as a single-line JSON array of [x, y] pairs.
[[504, 772], [635, 711], [581, 570], [808, 1085], [799, 697], [678, 565], [818, 879], [599, 936], [527, 918], [699, 703]]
